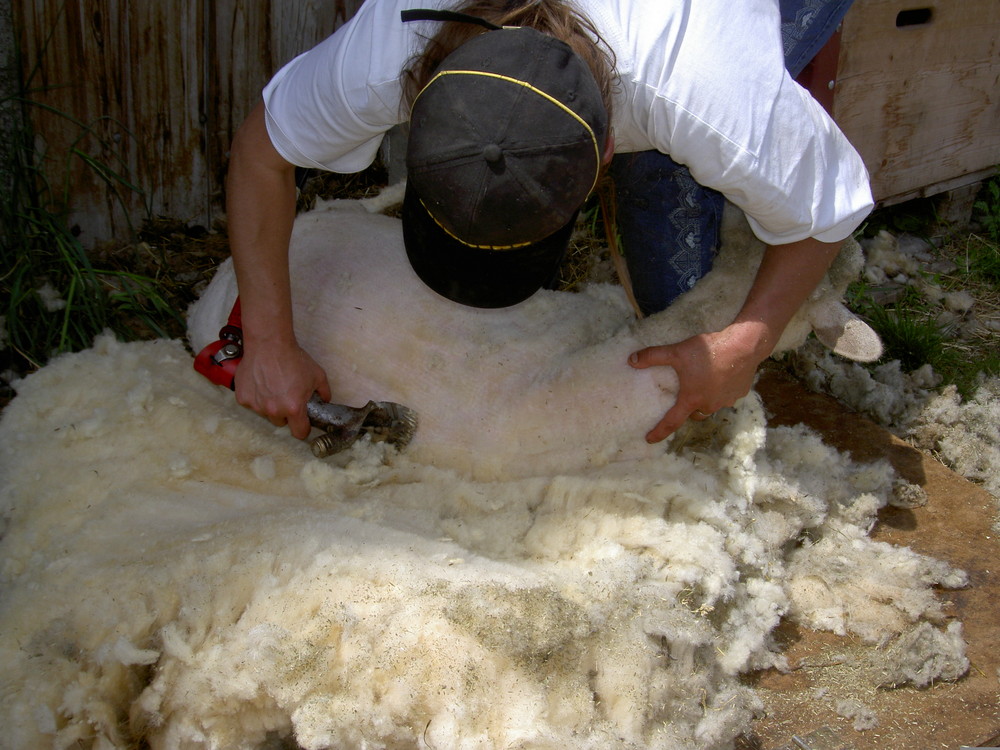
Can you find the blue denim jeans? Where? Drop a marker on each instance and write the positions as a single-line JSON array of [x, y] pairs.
[[669, 224], [806, 25]]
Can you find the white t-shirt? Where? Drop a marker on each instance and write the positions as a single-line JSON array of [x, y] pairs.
[[701, 80]]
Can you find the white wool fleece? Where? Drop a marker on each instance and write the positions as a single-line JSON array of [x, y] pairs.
[[158, 589]]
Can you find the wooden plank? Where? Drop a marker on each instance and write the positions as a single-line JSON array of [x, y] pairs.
[[972, 180], [10, 114], [249, 46], [920, 101], [127, 76]]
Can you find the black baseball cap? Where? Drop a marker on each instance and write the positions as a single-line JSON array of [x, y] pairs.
[[505, 145]]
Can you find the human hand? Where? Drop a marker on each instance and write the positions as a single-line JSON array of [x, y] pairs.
[[714, 370], [276, 381]]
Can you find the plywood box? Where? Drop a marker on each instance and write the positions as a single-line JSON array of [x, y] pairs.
[[917, 90]]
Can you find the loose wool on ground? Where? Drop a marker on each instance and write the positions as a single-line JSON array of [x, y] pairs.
[[176, 572]]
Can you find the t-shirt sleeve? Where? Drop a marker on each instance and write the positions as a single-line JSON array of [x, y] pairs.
[[329, 107], [804, 179], [739, 122]]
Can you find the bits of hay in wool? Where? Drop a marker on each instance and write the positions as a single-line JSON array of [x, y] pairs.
[[864, 717]]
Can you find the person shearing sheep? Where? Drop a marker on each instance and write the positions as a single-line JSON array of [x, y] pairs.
[[516, 109]]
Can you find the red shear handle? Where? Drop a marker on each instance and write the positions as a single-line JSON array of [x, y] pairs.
[[218, 361]]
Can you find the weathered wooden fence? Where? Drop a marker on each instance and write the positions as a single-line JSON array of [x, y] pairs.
[[917, 90], [152, 91]]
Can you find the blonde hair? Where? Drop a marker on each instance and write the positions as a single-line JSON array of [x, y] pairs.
[[554, 17]]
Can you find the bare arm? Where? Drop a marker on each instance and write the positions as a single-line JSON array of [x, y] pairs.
[[276, 377], [716, 369]]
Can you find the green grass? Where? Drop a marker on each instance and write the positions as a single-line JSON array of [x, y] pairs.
[[911, 337], [907, 326], [53, 298], [982, 256], [911, 333], [982, 260], [987, 211], [910, 325]]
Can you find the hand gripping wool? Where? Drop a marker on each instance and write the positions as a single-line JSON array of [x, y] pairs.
[[178, 573]]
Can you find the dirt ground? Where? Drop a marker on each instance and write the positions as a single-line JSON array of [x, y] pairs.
[[954, 525]]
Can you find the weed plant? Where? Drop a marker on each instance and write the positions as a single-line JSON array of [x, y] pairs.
[[910, 335], [983, 252], [987, 210], [53, 299]]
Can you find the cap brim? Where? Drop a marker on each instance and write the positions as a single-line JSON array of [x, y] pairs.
[[475, 276]]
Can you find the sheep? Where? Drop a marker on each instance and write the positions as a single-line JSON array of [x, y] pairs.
[[559, 392]]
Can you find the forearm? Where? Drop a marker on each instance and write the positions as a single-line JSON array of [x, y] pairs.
[[786, 277], [261, 209], [715, 369], [276, 377]]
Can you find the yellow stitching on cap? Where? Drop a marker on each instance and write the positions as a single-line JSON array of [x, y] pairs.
[[525, 84], [469, 244]]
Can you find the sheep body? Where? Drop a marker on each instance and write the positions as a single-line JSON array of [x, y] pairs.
[[521, 390]]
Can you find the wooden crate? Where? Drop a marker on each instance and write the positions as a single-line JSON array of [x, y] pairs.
[[917, 90]]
